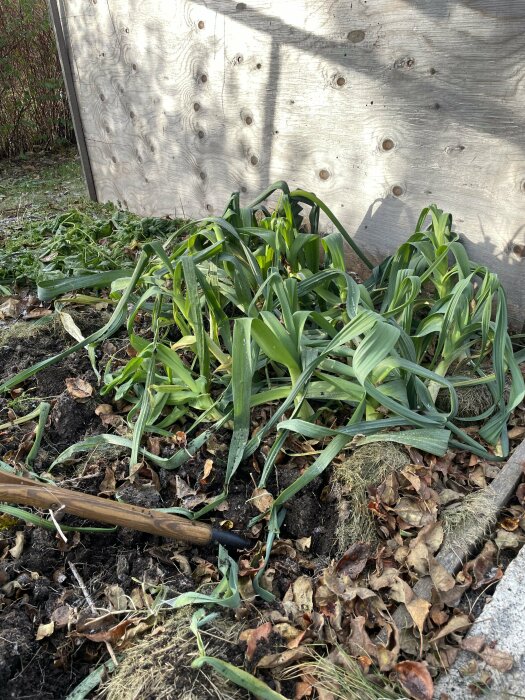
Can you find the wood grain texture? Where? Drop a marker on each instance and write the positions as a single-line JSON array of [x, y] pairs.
[[20, 490], [379, 107]]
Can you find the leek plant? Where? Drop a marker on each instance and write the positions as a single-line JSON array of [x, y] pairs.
[[244, 312]]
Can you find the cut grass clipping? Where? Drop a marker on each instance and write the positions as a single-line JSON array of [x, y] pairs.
[[75, 243], [242, 312], [160, 664], [367, 466]]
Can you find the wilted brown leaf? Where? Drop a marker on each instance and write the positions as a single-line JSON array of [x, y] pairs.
[[45, 630], [418, 609], [10, 308], [104, 409], [441, 578], [456, 623], [113, 634], [108, 484], [116, 422], [481, 566], [415, 679], [500, 660], [303, 689], [154, 445], [78, 388], [285, 657], [116, 597], [208, 466], [385, 580], [359, 641], [18, 548], [354, 559], [400, 591], [261, 499], [253, 636], [387, 492], [299, 596], [438, 616], [475, 643], [413, 511], [63, 616], [36, 313], [510, 524]]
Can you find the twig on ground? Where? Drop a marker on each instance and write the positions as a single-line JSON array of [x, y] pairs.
[[91, 604]]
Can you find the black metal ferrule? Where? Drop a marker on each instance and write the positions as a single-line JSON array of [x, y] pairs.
[[229, 539]]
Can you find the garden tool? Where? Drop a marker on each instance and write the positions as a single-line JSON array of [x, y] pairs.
[[21, 490]]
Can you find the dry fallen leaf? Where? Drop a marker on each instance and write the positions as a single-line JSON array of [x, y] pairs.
[[415, 679], [10, 308], [44, 631], [117, 597], [418, 609], [78, 388], [517, 432], [500, 660], [441, 578], [63, 616], [108, 484], [510, 524], [208, 466], [261, 499], [17, 549], [303, 544], [253, 636], [104, 409], [285, 657], [413, 511], [303, 689], [507, 540], [113, 634], [299, 596], [456, 623], [475, 643], [354, 560]]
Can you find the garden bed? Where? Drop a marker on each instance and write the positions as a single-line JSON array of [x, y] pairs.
[[358, 534]]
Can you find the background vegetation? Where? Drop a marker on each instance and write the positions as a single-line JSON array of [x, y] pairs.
[[34, 113]]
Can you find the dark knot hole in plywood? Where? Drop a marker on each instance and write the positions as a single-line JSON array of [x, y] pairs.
[[397, 190], [324, 174], [356, 36], [387, 144]]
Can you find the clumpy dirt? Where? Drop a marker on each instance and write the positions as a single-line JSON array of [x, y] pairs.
[[50, 638], [37, 585]]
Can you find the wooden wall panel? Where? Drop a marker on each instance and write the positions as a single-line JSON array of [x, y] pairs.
[[379, 106]]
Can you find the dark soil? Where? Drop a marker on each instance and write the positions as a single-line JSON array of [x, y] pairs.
[[37, 585]]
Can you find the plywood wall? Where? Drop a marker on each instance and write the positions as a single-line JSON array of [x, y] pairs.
[[379, 106]]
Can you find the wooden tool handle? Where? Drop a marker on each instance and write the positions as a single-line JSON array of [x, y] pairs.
[[19, 490]]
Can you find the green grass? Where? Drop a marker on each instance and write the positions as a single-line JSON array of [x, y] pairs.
[[39, 186], [48, 227]]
